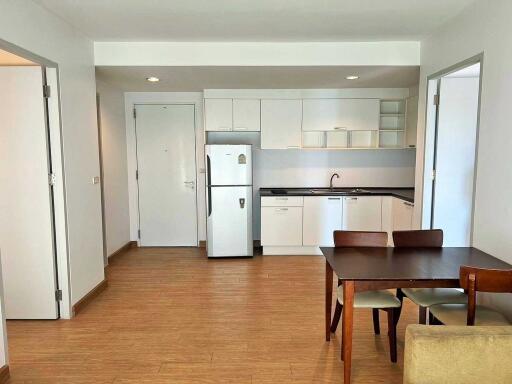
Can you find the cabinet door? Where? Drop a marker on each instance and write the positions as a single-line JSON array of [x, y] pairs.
[[281, 124], [281, 226], [322, 216], [340, 114], [362, 213], [218, 114], [387, 217], [246, 115], [402, 215]]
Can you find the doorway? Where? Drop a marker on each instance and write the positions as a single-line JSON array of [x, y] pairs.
[[33, 242], [451, 152], [166, 175]]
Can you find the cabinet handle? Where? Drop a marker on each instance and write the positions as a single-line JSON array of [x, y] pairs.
[[224, 128], [240, 128], [333, 198], [408, 204], [340, 128], [351, 198], [292, 147], [281, 198], [281, 209]]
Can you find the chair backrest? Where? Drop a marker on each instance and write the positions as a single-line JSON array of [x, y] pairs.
[[345, 239], [432, 238], [475, 280]]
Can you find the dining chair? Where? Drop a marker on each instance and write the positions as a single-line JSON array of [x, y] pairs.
[[475, 280], [426, 297], [376, 300]]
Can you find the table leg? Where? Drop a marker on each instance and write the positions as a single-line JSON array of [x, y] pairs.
[[347, 328], [328, 300]]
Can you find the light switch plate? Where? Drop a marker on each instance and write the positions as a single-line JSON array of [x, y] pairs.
[[96, 180]]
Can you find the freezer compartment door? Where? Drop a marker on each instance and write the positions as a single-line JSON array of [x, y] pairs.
[[229, 224], [228, 164]]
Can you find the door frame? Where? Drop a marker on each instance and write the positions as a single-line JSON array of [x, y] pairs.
[[50, 76], [431, 166], [133, 99]]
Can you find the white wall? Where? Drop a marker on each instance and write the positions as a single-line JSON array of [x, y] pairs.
[[4, 356], [483, 27], [115, 171], [257, 53], [33, 28], [196, 98]]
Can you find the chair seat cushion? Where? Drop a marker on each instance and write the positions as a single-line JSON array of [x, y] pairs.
[[372, 299], [425, 297], [456, 314]]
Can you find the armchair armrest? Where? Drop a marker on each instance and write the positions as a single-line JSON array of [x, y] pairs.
[[457, 355]]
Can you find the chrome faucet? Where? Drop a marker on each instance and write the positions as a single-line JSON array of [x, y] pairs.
[[332, 177]]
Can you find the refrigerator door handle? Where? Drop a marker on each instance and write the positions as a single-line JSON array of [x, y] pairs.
[[209, 201], [208, 171]]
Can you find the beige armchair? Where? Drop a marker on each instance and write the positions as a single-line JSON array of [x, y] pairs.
[[458, 355]]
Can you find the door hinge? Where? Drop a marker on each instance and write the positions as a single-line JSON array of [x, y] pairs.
[[137, 174], [46, 91], [52, 179], [433, 175], [436, 99], [58, 295], [138, 233], [134, 113]]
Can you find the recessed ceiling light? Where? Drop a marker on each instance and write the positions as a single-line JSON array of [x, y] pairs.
[[152, 79], [352, 77]]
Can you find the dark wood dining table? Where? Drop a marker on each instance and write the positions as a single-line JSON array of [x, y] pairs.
[[366, 269]]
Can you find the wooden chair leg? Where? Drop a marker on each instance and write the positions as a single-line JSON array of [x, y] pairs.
[[392, 313], [336, 317], [430, 318], [376, 322], [422, 315]]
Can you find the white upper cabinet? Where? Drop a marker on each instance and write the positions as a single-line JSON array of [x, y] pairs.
[[246, 115], [362, 213], [340, 114], [411, 121], [281, 122], [322, 216], [218, 114]]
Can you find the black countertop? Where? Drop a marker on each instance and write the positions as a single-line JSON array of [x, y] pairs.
[[406, 194]]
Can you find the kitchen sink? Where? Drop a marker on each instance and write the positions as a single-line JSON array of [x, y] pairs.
[[338, 191]]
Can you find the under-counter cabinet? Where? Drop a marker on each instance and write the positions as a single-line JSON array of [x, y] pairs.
[[281, 122], [362, 213], [402, 215], [246, 115], [218, 114], [322, 215], [281, 221]]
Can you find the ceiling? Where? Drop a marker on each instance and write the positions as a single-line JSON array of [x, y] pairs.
[[193, 79], [10, 59], [255, 20]]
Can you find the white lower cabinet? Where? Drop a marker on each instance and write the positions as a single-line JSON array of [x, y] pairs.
[[362, 213], [322, 216], [281, 226], [402, 215]]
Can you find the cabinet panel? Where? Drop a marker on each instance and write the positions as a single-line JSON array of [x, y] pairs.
[[281, 226], [218, 114], [322, 215], [362, 213], [411, 121], [338, 114], [402, 215], [246, 115], [281, 124]]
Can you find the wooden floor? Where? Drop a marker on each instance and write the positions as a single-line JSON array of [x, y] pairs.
[[173, 316]]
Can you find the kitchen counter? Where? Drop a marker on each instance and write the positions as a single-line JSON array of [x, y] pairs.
[[406, 194]]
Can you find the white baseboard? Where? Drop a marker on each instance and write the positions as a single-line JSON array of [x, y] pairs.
[[297, 250]]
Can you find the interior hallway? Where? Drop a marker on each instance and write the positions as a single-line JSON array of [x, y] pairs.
[[173, 316]]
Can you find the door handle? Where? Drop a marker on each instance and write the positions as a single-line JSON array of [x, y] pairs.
[[190, 184]]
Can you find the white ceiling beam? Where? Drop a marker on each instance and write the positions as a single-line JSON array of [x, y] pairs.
[[256, 54]]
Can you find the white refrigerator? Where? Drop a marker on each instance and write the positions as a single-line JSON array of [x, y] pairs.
[[229, 200]]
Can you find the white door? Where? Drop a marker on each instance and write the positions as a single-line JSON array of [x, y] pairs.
[[229, 223], [26, 213], [166, 175], [362, 213], [322, 216], [455, 159], [281, 124]]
